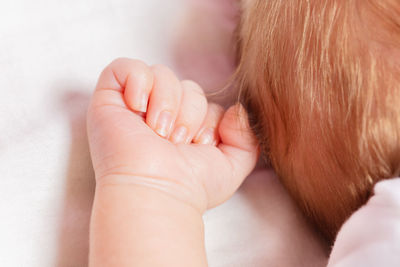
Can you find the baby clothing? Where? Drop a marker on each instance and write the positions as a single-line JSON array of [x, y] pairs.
[[371, 236]]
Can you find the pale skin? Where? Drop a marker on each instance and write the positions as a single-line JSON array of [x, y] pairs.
[[162, 156]]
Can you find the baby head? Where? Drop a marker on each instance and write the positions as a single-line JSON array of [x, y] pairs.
[[321, 82]]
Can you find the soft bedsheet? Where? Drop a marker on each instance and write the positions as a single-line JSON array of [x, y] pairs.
[[51, 54]]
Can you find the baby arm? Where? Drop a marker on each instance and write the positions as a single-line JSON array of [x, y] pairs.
[[161, 156], [138, 226]]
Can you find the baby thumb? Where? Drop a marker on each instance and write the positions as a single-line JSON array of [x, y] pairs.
[[238, 143]]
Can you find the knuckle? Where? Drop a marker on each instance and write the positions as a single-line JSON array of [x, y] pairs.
[[166, 83], [123, 62], [118, 61], [160, 68], [193, 86]]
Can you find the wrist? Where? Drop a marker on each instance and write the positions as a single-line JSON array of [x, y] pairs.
[[157, 192], [138, 224]]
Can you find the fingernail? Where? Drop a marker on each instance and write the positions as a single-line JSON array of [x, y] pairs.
[[207, 137], [179, 135], [164, 123], [142, 101]]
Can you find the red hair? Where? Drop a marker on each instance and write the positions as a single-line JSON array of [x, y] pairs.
[[321, 82]]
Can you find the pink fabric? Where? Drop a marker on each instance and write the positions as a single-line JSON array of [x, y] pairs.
[[371, 237]]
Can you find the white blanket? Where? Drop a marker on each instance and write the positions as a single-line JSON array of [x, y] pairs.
[[52, 52]]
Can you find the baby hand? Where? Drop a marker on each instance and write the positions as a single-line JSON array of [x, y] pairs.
[[146, 128]]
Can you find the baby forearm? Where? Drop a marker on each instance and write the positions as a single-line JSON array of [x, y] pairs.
[[133, 225], [144, 120]]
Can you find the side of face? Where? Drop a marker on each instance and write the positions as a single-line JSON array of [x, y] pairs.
[[320, 80]]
